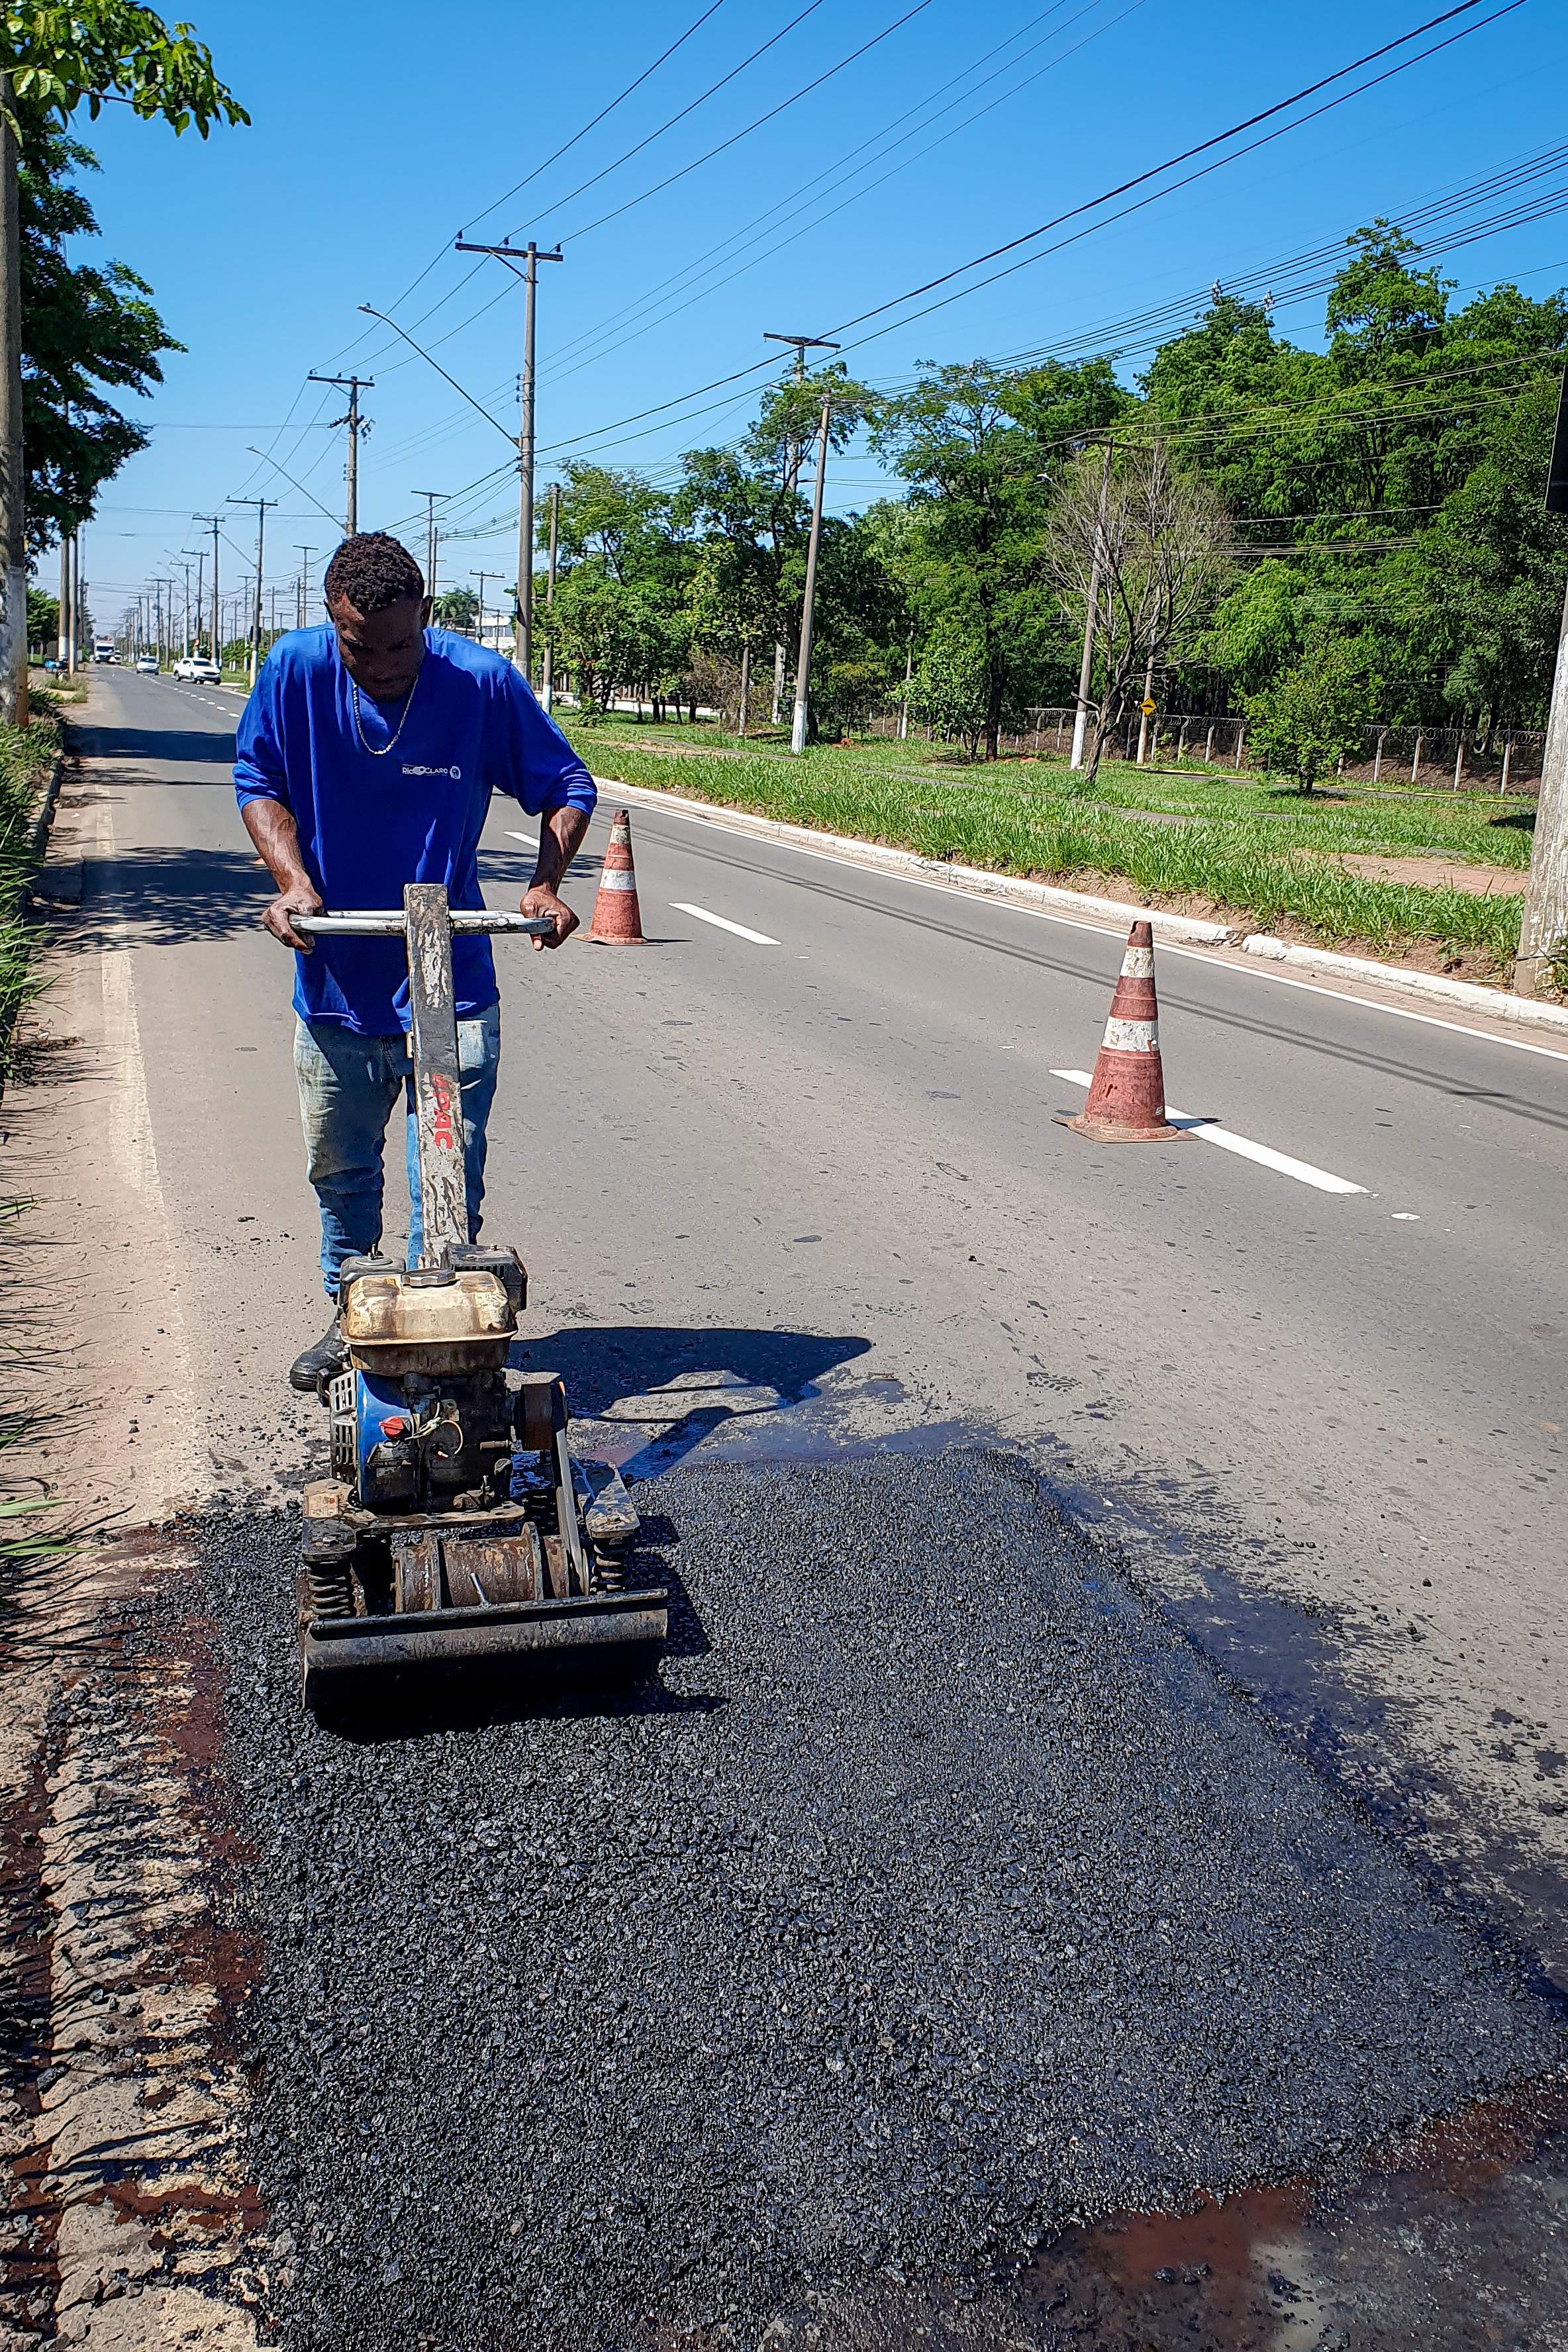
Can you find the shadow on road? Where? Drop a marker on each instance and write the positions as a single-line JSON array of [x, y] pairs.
[[170, 898], [184, 746]]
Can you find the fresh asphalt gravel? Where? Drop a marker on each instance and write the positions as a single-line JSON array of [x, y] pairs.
[[939, 1893]]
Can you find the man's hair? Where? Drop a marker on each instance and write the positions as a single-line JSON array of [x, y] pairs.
[[372, 570]]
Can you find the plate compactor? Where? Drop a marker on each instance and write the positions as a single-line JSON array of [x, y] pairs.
[[455, 1528]]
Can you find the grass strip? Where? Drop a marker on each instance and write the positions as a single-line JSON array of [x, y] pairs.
[[26, 755], [1386, 819], [1233, 863]]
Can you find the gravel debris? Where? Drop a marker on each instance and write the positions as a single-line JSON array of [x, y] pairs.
[[938, 1895]]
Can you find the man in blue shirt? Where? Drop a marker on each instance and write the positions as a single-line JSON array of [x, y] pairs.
[[366, 757]]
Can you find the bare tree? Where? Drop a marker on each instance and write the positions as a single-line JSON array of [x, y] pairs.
[[1147, 549]]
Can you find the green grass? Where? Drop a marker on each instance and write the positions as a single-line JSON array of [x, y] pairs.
[[1232, 854], [25, 760], [25, 756], [1388, 820]]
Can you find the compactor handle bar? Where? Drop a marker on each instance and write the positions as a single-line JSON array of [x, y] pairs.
[[393, 924]]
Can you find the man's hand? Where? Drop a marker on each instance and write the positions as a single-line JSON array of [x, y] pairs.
[[539, 898], [272, 828], [297, 897]]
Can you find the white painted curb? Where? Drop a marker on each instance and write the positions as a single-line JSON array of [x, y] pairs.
[[906, 861], [1495, 1001]]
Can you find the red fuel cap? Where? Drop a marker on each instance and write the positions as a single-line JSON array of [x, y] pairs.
[[395, 1427]]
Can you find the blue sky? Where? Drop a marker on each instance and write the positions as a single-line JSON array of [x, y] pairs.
[[381, 133]]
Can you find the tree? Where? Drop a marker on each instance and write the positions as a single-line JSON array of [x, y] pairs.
[[605, 632], [950, 688], [458, 608], [53, 59], [82, 328], [1144, 553], [1315, 715], [43, 619], [1256, 631]]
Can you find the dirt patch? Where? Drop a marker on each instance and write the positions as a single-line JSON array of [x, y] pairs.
[[1435, 874]]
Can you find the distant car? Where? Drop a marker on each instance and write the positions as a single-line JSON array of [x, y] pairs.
[[148, 664], [198, 671]]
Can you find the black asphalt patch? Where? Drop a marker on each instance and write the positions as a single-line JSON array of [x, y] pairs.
[[940, 1894]]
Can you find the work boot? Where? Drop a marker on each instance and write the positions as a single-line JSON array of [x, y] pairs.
[[312, 1370]]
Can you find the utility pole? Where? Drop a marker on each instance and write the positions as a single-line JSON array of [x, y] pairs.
[[430, 498], [531, 257], [305, 554], [354, 385], [261, 506], [1085, 666], [548, 694], [13, 462], [216, 648], [201, 567], [479, 619], [801, 345], [808, 602], [61, 624]]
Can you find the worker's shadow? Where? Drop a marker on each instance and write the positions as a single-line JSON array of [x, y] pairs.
[[673, 1385]]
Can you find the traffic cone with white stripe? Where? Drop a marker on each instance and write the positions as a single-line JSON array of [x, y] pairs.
[[1127, 1096], [618, 919]]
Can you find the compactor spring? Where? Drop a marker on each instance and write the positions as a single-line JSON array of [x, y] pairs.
[[332, 1589]]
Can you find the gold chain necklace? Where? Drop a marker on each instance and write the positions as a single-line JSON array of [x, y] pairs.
[[359, 730]]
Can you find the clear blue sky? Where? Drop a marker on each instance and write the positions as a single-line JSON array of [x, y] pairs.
[[381, 133]]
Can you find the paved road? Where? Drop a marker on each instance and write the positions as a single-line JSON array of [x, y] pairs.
[[796, 1162]]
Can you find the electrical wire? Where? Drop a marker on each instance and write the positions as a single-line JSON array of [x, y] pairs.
[[771, 116], [1218, 139]]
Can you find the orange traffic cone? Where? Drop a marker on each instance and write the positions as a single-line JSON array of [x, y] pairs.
[[617, 920], [1127, 1096]]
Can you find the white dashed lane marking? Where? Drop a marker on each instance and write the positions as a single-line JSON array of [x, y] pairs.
[[722, 923], [1207, 1131]]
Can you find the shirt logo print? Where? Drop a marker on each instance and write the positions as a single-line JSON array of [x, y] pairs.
[[453, 772]]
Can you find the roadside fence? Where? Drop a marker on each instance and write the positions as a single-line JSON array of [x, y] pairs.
[[1428, 757]]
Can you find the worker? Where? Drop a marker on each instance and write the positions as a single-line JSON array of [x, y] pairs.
[[366, 757]]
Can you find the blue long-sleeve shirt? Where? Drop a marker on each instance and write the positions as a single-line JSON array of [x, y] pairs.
[[384, 796]]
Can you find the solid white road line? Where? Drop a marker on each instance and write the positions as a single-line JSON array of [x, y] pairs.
[[529, 840], [1207, 1132], [722, 922]]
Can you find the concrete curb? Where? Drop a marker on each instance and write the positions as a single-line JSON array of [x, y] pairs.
[[1459, 994], [1008, 886], [38, 840]]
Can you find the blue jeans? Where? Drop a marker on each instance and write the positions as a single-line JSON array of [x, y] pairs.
[[349, 1087]]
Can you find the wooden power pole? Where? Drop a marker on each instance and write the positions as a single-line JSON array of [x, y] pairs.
[[531, 257], [13, 462], [354, 385]]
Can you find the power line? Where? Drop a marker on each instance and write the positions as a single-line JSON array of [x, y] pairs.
[[579, 135], [712, 91], [445, 247], [772, 115], [1203, 147]]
